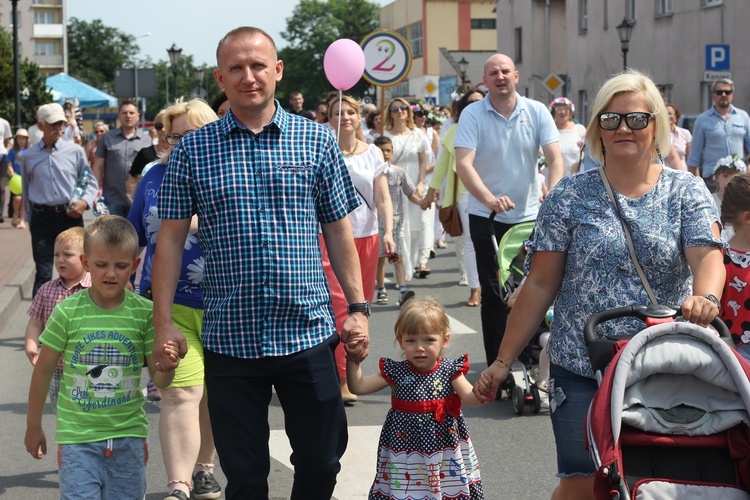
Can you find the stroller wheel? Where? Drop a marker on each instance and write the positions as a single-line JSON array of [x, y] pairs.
[[517, 400], [537, 399]]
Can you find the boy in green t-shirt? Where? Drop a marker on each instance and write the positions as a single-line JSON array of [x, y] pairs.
[[104, 335]]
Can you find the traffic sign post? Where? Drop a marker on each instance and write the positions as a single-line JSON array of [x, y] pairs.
[[387, 62]]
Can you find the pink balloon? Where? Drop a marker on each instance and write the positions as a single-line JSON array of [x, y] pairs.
[[344, 63]]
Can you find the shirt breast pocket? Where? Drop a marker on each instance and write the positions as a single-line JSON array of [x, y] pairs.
[[292, 178]]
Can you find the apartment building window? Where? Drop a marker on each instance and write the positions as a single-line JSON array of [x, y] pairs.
[[630, 10], [664, 8], [583, 16], [711, 3], [45, 49], [484, 24], [518, 43], [416, 39], [666, 91], [45, 17]]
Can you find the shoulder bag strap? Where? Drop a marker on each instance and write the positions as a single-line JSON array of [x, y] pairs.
[[629, 240]]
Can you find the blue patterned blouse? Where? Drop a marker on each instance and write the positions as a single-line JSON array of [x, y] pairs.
[[579, 219]]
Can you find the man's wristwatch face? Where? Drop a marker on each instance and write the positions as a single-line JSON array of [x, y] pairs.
[[362, 307]]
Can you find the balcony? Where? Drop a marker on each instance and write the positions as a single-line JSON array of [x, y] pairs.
[[53, 61], [48, 30]]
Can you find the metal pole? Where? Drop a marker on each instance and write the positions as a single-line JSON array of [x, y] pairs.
[[624, 59], [166, 86], [174, 71], [135, 76], [16, 71]]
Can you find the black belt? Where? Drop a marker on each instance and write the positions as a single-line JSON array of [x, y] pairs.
[[49, 208]]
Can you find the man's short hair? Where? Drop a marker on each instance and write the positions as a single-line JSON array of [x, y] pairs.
[[70, 235], [247, 31], [725, 81], [127, 103], [111, 231], [295, 93]]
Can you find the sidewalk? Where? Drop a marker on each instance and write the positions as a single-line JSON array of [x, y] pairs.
[[16, 266]]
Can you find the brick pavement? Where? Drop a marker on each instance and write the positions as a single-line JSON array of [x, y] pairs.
[[16, 266]]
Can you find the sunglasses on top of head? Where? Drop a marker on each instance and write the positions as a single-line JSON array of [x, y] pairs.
[[723, 92], [158, 126], [396, 109], [634, 121]]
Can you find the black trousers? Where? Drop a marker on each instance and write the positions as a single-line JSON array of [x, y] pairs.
[[494, 313], [307, 385], [45, 224]]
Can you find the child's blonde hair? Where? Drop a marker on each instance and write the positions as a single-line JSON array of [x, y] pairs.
[[71, 235], [111, 231], [421, 315], [736, 198]]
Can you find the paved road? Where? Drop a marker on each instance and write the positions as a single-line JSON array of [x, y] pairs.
[[516, 454]]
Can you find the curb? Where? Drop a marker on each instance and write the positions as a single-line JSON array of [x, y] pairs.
[[17, 290]]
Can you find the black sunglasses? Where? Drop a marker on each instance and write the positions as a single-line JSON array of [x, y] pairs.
[[723, 92], [396, 109], [635, 121], [158, 126]]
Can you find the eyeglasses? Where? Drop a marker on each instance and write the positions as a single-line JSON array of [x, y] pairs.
[[158, 126], [396, 109], [173, 139], [635, 121], [723, 92], [99, 132]]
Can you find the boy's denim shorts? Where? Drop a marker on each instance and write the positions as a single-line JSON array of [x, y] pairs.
[[569, 398], [86, 472]]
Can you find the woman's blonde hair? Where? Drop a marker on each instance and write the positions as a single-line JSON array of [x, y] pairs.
[[629, 81], [421, 315], [409, 114], [197, 112]]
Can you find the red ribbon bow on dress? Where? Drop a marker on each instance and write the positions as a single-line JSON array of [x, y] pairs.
[[450, 405]]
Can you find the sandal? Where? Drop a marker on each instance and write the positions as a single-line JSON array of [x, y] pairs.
[[423, 272]]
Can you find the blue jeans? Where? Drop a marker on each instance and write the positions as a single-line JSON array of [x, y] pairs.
[[307, 385], [87, 473], [569, 398], [117, 209]]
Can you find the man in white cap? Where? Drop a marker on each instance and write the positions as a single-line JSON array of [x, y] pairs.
[[50, 171]]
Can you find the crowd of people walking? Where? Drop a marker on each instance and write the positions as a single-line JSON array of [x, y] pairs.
[[261, 236]]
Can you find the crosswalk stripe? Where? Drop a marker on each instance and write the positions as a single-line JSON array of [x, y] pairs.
[[357, 464], [460, 328]]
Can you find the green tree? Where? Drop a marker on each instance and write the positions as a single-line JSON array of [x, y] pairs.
[[32, 84], [313, 26], [186, 83], [95, 51]]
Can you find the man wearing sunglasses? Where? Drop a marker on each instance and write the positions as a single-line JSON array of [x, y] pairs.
[[721, 131], [147, 156], [496, 158]]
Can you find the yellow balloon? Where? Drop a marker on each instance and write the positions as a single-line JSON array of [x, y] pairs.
[[15, 184]]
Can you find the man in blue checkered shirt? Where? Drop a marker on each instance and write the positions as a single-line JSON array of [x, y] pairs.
[[262, 182]]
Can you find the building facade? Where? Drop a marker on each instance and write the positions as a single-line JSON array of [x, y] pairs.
[[440, 33], [683, 45], [42, 32]]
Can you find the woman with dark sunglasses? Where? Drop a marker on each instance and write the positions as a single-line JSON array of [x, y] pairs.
[[409, 153], [581, 259]]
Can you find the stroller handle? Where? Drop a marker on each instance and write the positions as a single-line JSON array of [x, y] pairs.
[[640, 311]]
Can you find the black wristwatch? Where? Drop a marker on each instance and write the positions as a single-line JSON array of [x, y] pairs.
[[360, 307], [713, 299]]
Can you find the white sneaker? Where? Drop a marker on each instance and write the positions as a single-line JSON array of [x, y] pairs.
[[464, 281]]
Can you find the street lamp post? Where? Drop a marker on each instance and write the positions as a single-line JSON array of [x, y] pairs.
[[174, 59], [16, 71], [624, 30], [198, 73], [463, 65], [135, 78]]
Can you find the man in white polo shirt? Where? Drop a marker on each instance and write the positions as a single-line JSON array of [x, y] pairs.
[[496, 158]]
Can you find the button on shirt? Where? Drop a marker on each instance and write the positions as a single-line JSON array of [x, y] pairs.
[[119, 152], [260, 199], [715, 138], [49, 177], [506, 161]]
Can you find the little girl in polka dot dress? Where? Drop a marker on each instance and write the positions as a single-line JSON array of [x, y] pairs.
[[425, 450]]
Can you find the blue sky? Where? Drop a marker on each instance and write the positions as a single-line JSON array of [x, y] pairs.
[[195, 26]]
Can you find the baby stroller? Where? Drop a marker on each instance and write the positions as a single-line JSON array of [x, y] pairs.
[[509, 259], [670, 418]]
